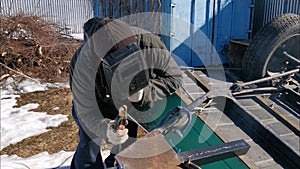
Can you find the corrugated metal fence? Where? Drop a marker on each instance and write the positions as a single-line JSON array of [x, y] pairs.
[[121, 8], [69, 13], [267, 10], [279, 7]]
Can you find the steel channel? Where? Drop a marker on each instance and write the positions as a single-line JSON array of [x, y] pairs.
[[269, 141], [206, 87], [280, 116], [131, 118]]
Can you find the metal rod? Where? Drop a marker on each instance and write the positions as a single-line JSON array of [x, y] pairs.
[[269, 78], [245, 91], [130, 117], [291, 57], [239, 147]]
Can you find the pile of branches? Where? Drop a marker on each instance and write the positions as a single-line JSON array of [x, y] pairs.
[[36, 48]]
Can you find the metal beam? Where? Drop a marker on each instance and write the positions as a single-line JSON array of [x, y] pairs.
[[221, 151]]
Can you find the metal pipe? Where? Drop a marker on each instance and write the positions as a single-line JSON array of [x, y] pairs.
[[269, 78], [291, 57], [263, 89], [132, 119]]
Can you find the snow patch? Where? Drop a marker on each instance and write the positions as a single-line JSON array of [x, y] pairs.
[[45, 160], [20, 123]]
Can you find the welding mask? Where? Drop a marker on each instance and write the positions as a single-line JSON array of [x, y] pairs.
[[125, 71]]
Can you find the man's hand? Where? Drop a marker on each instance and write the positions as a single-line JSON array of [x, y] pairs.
[[117, 137]]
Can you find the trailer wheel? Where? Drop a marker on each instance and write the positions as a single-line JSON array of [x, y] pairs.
[[274, 49]]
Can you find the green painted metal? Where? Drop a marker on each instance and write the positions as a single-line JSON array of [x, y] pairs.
[[198, 134], [201, 136]]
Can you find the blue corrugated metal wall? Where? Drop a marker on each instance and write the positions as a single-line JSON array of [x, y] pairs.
[[217, 19], [69, 13]]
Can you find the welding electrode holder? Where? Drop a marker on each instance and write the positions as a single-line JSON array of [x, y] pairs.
[[121, 118]]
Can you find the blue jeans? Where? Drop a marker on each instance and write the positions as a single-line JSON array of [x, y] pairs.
[[87, 155]]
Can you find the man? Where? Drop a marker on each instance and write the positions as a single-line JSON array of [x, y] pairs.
[[113, 56]]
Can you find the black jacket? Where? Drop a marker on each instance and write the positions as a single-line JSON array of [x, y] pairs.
[[85, 81]]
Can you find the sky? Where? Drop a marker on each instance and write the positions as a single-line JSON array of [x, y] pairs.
[[20, 123]]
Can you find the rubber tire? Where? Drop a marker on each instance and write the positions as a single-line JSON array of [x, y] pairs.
[[265, 42]]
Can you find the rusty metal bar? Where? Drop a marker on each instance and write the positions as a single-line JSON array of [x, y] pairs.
[[269, 78], [221, 151], [262, 89]]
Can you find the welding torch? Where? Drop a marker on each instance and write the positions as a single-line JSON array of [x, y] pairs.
[[121, 119]]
